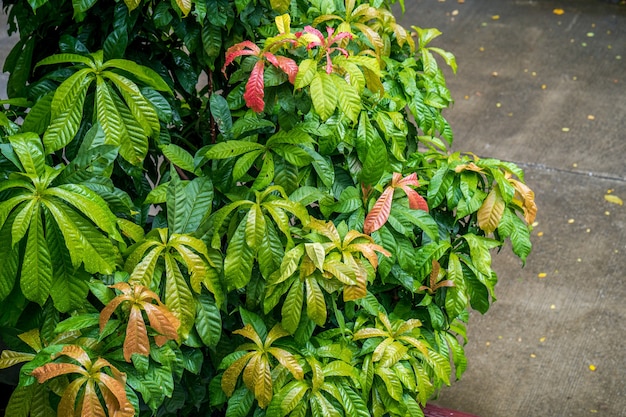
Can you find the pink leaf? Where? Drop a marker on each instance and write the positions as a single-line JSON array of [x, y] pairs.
[[289, 66], [271, 58], [329, 64], [313, 31], [254, 88], [410, 179]]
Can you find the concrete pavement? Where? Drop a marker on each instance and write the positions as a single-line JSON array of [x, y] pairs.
[[543, 84]]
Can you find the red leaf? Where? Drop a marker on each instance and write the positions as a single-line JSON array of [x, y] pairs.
[[379, 213], [416, 201], [410, 179], [289, 66], [254, 88], [239, 50]]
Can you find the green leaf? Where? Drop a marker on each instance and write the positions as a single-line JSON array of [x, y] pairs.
[[108, 115], [231, 149], [69, 286], [208, 320], [36, 278], [178, 156], [245, 162], [315, 303], [38, 117], [19, 404], [134, 144], [292, 307], [266, 174], [142, 110], [25, 214], [139, 72], [9, 261], [255, 227], [178, 296], [420, 218], [90, 204], [306, 72], [348, 99], [240, 403], [67, 59], [239, 260], [375, 162], [85, 243], [221, 112], [456, 298], [29, 150], [188, 203], [323, 95], [22, 68]]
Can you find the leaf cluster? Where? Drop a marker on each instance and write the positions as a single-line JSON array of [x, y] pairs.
[[239, 208]]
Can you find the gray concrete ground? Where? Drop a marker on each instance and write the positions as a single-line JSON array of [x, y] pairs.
[[547, 91]]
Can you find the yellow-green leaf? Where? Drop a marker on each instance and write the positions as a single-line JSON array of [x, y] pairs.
[[315, 303], [185, 6], [491, 211]]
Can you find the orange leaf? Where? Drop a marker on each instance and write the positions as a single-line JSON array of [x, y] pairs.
[[51, 370], [410, 179], [416, 201], [91, 406], [163, 321], [254, 88], [527, 197], [67, 405], [114, 394], [77, 353], [355, 292], [379, 214], [136, 340]]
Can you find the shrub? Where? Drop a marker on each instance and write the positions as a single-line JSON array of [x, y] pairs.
[[238, 208]]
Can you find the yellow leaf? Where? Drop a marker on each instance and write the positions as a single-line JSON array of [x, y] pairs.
[[263, 383], [231, 374], [184, 5], [283, 23], [558, 12], [614, 199], [490, 213]]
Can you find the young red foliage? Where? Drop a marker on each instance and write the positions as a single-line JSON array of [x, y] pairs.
[[161, 319], [379, 214], [254, 88], [77, 401]]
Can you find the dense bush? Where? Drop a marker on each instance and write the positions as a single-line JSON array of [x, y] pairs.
[[239, 208]]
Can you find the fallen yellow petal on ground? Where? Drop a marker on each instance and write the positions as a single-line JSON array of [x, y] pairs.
[[558, 12]]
